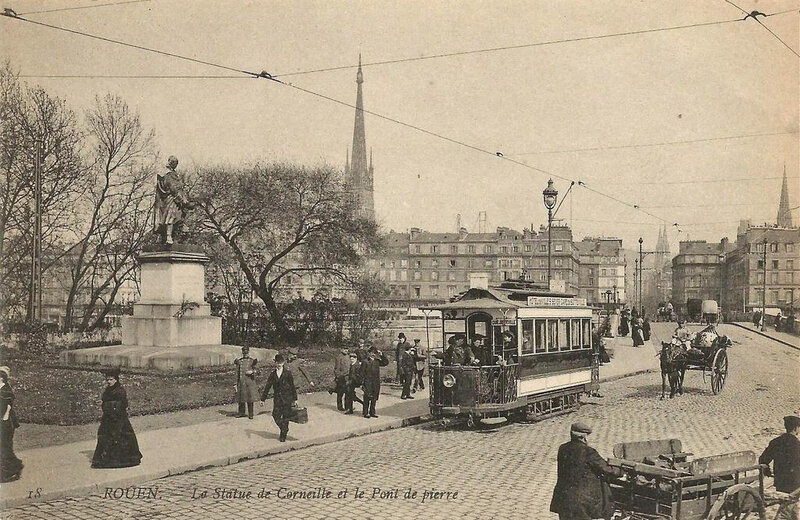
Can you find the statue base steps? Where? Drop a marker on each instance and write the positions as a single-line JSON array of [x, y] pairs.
[[164, 358]]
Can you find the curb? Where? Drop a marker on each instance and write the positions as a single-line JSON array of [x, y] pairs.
[[133, 480], [764, 334], [631, 374]]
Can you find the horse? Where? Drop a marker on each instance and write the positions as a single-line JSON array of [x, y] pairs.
[[673, 367]]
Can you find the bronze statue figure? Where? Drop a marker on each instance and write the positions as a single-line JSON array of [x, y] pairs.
[[171, 203]]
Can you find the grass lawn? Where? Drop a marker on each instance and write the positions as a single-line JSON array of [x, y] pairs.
[[64, 396]]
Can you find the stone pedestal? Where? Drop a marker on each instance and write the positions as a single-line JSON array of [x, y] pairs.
[[172, 311], [171, 327]]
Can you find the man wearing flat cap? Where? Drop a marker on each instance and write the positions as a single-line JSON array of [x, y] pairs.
[[784, 451], [581, 491]]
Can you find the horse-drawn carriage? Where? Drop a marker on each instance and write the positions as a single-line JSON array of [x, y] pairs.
[[707, 351], [661, 482]]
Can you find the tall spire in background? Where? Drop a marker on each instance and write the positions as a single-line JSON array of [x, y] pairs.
[[784, 213], [359, 174]]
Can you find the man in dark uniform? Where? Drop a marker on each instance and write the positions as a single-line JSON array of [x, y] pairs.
[[401, 346], [371, 379], [407, 367], [353, 382], [581, 493], [785, 452], [285, 395]]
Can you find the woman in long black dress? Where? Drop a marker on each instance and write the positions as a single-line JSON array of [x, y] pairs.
[[10, 465], [116, 442]]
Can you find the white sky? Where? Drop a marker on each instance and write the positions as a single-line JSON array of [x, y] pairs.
[[696, 83]]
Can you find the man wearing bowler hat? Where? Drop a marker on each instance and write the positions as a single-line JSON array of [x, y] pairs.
[[581, 492], [285, 397]]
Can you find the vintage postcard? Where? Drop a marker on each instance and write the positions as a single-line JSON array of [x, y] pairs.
[[399, 259]]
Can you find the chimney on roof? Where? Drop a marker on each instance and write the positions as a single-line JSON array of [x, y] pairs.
[[462, 232], [415, 231], [479, 281]]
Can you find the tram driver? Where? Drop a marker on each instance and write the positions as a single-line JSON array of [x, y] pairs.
[[457, 351]]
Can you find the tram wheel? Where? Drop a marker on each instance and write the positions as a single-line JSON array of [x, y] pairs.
[[470, 421]]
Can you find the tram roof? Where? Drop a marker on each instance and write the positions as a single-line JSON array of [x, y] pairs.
[[493, 298]]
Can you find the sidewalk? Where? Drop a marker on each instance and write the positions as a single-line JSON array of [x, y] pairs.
[[64, 470], [769, 332]]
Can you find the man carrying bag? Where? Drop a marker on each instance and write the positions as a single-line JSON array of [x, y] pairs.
[[284, 399]]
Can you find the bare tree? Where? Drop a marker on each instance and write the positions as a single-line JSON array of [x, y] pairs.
[[115, 209], [281, 220], [27, 115]]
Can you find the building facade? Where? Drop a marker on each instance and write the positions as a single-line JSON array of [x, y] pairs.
[[602, 270], [763, 270], [698, 272]]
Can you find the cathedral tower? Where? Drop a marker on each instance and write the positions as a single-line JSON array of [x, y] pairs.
[[784, 212], [358, 173]]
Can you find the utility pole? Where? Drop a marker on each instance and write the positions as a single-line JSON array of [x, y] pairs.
[[35, 296], [764, 289]]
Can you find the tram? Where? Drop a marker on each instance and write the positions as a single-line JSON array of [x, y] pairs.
[[537, 356]]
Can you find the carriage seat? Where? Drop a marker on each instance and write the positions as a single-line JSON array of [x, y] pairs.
[[650, 452]]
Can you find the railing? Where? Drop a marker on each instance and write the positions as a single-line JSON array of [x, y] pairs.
[[473, 386]]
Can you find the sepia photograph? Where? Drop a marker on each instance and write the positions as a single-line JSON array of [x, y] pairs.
[[385, 259]]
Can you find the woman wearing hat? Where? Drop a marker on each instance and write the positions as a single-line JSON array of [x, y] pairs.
[[117, 446], [10, 465]]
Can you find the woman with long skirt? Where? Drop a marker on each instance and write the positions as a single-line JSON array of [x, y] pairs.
[[117, 446], [10, 465]]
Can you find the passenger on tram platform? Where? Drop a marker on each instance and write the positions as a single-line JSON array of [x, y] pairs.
[[477, 354], [457, 351]]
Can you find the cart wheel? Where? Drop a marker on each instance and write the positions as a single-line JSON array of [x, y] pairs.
[[719, 371], [738, 502]]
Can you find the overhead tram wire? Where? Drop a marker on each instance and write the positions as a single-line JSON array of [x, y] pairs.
[[271, 77], [663, 143], [754, 15], [708, 181], [81, 7], [451, 54]]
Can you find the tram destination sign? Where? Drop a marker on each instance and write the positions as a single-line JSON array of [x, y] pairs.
[[555, 301]]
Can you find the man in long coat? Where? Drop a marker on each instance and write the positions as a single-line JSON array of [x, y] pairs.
[[407, 365], [371, 379], [341, 367], [353, 382], [246, 388], [420, 354], [581, 492], [285, 395]]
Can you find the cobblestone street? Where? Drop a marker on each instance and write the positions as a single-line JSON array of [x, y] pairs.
[[507, 472]]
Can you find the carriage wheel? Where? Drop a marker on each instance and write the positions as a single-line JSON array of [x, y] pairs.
[[470, 421], [738, 502], [719, 371]]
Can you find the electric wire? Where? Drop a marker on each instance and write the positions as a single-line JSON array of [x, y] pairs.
[[706, 181], [271, 77], [754, 15], [81, 7], [663, 143]]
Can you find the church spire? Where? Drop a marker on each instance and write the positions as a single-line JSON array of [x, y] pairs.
[[360, 173], [784, 212]]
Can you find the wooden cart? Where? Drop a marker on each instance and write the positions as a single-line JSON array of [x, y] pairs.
[[660, 482]]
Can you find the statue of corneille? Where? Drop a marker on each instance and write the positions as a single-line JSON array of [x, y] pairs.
[[171, 203]]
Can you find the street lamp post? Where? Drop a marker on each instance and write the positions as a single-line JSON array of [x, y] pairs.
[[635, 283], [549, 196], [641, 305], [764, 289]]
